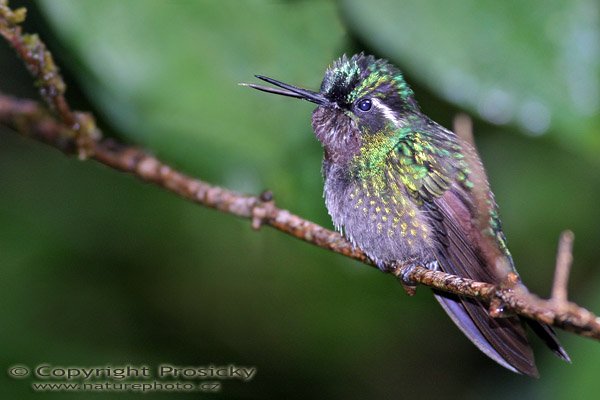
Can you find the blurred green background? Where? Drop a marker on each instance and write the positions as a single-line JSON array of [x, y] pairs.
[[98, 268]]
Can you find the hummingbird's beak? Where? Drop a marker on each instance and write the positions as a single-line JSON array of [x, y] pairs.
[[289, 90]]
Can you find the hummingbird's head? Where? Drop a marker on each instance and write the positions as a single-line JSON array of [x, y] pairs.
[[359, 96]]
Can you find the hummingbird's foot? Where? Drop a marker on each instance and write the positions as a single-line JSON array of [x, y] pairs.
[[498, 309], [404, 270], [409, 289], [512, 282]]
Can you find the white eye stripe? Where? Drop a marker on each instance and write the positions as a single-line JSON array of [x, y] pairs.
[[385, 110]]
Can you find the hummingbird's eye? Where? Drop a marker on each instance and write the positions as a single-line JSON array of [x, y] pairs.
[[364, 105]]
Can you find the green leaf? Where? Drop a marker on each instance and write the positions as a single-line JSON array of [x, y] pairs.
[[166, 74], [535, 64]]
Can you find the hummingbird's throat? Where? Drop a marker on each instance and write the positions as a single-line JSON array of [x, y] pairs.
[[373, 155]]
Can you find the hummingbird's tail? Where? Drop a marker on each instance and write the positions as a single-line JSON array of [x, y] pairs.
[[465, 251], [502, 339], [546, 333]]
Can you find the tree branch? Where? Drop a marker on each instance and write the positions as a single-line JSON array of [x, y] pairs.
[[74, 132], [41, 65]]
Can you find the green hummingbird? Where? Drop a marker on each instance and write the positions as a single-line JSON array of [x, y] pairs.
[[409, 192]]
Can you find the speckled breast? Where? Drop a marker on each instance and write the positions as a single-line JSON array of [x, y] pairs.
[[377, 215]]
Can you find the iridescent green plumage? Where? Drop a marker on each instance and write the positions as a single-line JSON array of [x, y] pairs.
[[406, 190]]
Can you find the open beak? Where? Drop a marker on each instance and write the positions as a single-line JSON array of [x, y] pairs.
[[288, 90]]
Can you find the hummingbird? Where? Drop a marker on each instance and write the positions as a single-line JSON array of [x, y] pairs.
[[410, 192]]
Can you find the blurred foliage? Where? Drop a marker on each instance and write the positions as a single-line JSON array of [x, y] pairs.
[[100, 269], [167, 75], [535, 64]]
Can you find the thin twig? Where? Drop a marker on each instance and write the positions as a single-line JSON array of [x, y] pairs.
[[564, 258], [66, 133], [463, 127]]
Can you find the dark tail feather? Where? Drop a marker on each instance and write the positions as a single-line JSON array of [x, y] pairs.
[[464, 252], [547, 334], [503, 340]]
